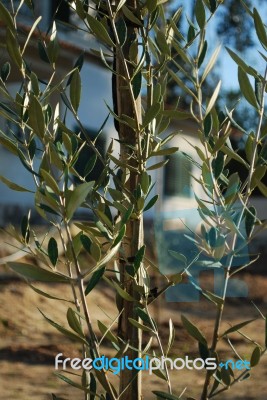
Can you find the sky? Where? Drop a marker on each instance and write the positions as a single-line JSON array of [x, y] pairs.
[[227, 67]]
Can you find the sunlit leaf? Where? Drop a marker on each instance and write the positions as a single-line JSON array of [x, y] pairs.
[[246, 88], [13, 185], [99, 30], [36, 273], [77, 197]]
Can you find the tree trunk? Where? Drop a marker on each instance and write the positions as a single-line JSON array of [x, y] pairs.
[[134, 229]]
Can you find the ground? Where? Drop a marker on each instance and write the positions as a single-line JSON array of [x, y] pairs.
[[29, 344]]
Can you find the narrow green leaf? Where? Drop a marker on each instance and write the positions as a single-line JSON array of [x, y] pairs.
[[193, 330], [121, 31], [52, 250], [213, 5], [121, 3], [171, 336], [181, 84], [137, 84], [99, 30], [25, 231], [249, 70], [86, 242], [211, 63], [122, 292], [237, 327], [63, 330], [13, 48], [75, 89], [200, 14], [50, 181], [140, 326], [151, 113], [213, 98], [234, 155], [5, 17], [9, 144], [233, 187], [127, 215], [13, 185], [191, 34], [36, 22], [246, 88], [225, 376], [178, 256], [92, 386], [162, 44], [202, 54], [36, 273], [260, 28], [218, 164], [207, 125], [68, 380], [90, 165], [36, 117], [213, 297], [139, 257], [49, 296], [120, 236], [250, 220], [165, 396], [74, 322], [5, 71], [43, 52], [130, 16], [157, 165], [53, 44], [107, 257], [165, 152], [106, 332], [258, 89], [145, 182], [255, 356], [48, 209], [143, 315], [258, 174], [151, 202], [77, 197], [97, 275]]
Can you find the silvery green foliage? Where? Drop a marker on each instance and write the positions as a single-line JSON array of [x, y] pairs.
[[49, 150]]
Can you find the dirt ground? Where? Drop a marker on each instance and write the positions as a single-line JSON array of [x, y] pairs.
[[28, 344]]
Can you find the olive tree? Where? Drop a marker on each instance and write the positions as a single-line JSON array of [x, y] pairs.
[[137, 44]]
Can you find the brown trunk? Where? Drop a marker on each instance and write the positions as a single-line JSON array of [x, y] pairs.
[[134, 229]]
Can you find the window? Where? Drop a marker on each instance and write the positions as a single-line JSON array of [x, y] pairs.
[[48, 9], [177, 179]]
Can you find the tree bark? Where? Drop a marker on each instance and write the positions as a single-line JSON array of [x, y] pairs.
[[130, 380]]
